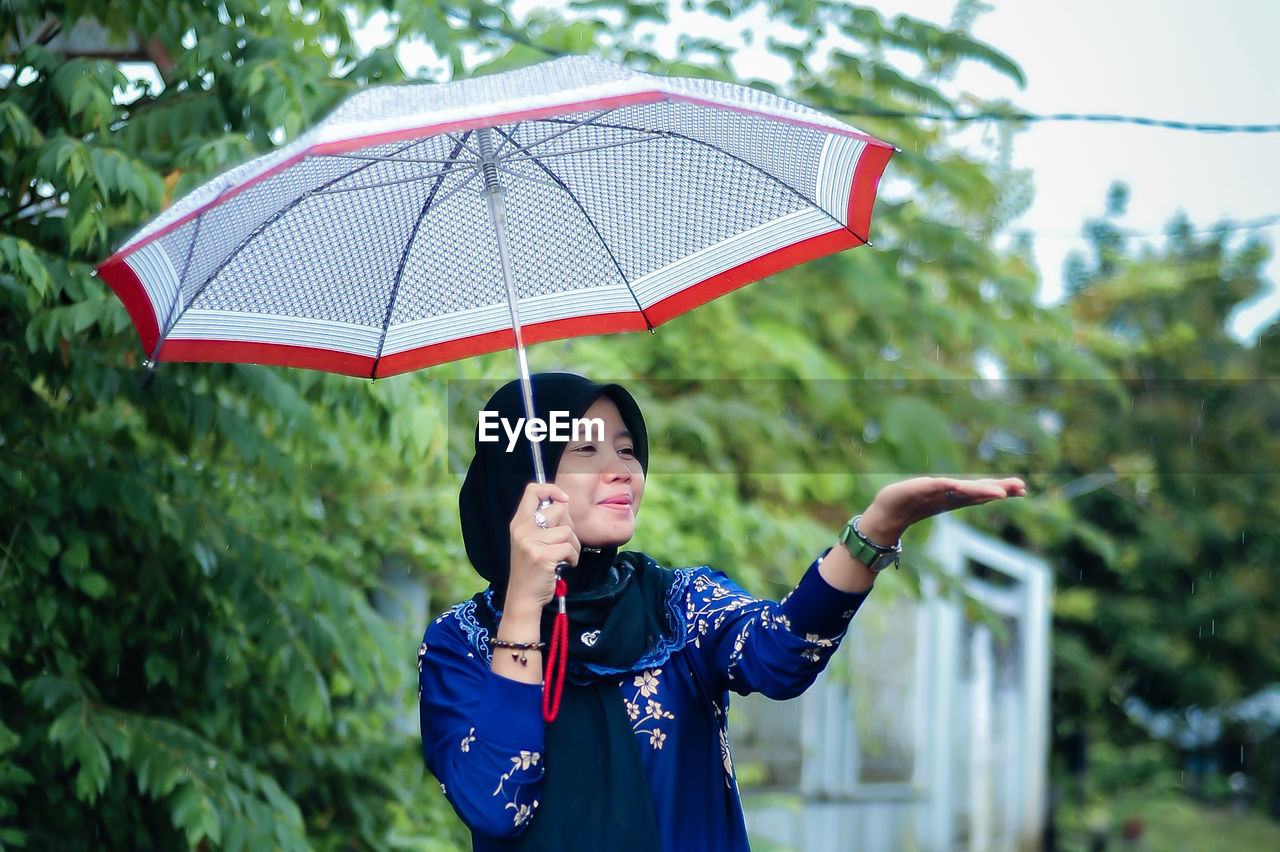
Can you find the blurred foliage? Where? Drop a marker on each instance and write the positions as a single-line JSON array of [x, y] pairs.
[[195, 644], [1169, 600]]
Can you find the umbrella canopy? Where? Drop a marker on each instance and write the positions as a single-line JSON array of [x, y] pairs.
[[366, 246]]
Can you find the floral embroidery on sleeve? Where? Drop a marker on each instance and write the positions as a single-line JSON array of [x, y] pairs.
[[646, 687], [739, 642], [819, 647], [524, 813], [726, 753], [772, 620], [707, 613], [522, 762]]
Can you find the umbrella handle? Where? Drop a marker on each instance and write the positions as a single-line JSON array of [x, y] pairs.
[[557, 657], [558, 647], [561, 566]]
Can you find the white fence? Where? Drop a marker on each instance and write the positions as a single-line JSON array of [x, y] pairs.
[[928, 732]]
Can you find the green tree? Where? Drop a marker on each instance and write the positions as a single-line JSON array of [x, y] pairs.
[[1170, 600], [189, 650], [190, 653]]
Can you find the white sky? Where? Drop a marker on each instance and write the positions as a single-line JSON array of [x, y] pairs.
[[1175, 59]]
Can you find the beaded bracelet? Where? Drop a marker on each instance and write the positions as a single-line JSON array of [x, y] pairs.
[[519, 650]]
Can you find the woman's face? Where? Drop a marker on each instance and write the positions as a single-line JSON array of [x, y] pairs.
[[603, 479]]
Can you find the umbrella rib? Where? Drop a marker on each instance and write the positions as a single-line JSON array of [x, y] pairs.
[[461, 186], [186, 268], [404, 259], [671, 134], [397, 182], [586, 149], [372, 159], [573, 125], [604, 243], [231, 255], [508, 139], [461, 142], [521, 176]]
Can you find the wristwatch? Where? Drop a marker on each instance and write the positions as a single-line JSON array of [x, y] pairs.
[[875, 556]]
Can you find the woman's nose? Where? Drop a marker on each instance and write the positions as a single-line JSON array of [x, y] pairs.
[[617, 467]]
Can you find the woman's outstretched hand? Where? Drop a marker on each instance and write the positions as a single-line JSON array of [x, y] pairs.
[[904, 503]]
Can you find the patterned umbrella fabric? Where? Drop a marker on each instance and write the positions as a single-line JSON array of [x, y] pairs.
[[366, 246]]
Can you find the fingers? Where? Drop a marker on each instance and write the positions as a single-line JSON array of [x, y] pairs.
[[960, 493], [991, 489], [537, 493], [542, 531], [556, 544]]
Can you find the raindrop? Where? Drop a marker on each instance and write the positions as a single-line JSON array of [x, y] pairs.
[[1242, 755], [871, 431], [117, 670], [1193, 587], [1211, 623], [1200, 632]]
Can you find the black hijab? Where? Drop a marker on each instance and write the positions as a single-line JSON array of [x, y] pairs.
[[595, 792], [497, 478]]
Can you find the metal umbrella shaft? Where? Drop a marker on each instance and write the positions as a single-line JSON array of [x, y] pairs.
[[493, 194], [557, 653]]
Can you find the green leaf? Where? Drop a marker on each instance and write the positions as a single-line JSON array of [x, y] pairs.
[[13, 837], [9, 740], [194, 813], [94, 585], [76, 554]]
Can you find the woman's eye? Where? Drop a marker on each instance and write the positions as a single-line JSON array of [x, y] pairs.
[[627, 451]]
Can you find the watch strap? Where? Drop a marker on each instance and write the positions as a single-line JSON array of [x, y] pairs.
[[876, 557]]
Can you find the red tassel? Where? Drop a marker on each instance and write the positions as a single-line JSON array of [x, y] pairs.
[[557, 657]]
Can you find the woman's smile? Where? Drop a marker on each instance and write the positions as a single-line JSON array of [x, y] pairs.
[[604, 480]]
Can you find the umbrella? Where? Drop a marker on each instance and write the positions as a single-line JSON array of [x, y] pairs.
[[421, 223]]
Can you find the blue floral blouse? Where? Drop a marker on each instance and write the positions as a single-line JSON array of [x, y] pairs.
[[483, 734]]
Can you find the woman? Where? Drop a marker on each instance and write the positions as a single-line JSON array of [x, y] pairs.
[[638, 756]]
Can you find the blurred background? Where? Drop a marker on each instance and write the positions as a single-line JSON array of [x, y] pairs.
[[213, 588]]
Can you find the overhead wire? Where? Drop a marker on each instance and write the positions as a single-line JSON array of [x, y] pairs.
[[1257, 224], [1029, 117]]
